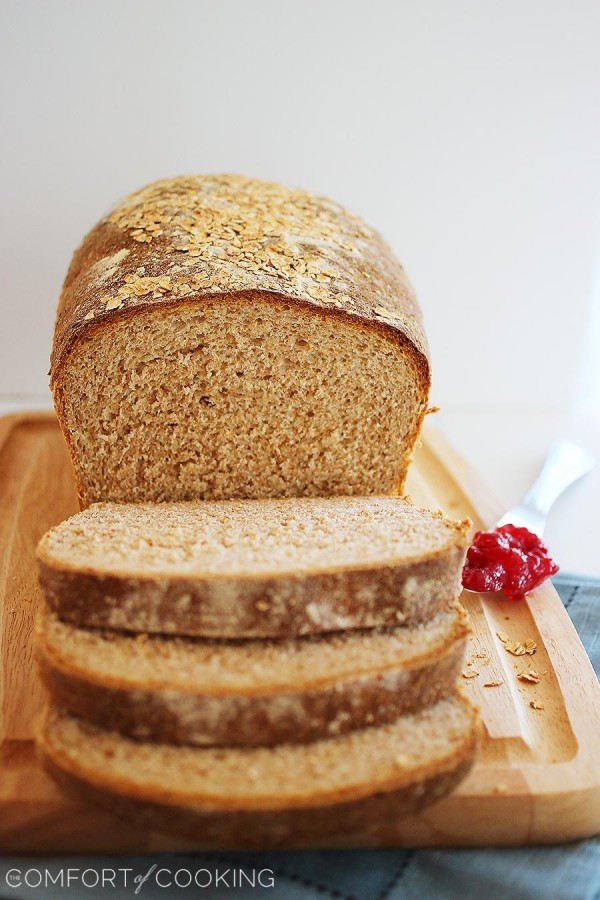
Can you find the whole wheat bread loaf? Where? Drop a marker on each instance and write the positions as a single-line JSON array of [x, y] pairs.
[[257, 692], [343, 791], [252, 568], [221, 337]]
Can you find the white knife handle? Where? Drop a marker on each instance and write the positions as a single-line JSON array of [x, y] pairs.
[[564, 464]]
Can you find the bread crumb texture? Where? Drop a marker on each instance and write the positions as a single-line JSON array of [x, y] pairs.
[[358, 764], [248, 538], [225, 666], [226, 337]]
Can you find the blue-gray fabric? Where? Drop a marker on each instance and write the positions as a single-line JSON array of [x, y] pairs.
[[567, 872]]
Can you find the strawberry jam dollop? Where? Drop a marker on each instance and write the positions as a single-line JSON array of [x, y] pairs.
[[508, 559]]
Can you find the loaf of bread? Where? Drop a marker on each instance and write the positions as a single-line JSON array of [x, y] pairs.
[[221, 337], [259, 692], [342, 791], [252, 568]]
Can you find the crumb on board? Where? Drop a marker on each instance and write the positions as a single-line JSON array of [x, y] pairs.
[[531, 676], [520, 649]]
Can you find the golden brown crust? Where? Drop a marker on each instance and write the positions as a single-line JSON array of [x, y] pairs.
[[217, 235], [256, 717], [281, 606]]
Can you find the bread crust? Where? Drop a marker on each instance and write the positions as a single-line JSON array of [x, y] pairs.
[[351, 254], [259, 716], [228, 236], [409, 592]]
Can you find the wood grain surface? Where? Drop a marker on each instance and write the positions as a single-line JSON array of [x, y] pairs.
[[538, 776]]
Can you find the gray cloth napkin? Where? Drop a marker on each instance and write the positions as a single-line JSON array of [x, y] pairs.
[[567, 872]]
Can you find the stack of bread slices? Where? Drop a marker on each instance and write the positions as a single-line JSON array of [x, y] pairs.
[[249, 637]]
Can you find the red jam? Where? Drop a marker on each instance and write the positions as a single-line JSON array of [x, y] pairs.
[[508, 559]]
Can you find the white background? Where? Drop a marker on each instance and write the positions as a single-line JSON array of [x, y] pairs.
[[467, 131]]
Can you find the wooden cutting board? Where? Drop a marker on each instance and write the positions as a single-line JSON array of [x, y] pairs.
[[538, 775]]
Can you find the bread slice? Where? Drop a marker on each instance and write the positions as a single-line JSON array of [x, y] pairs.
[[257, 692], [252, 568], [343, 791], [222, 337]]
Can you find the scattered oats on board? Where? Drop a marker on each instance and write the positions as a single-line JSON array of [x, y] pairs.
[[471, 674], [514, 647], [520, 649], [532, 677], [493, 683], [535, 704]]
